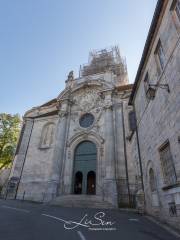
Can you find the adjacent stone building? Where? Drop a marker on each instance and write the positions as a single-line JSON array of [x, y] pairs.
[[76, 143], [155, 145]]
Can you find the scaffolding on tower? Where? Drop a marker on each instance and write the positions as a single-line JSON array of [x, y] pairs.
[[100, 61]]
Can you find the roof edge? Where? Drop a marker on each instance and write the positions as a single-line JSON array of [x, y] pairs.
[[152, 29]]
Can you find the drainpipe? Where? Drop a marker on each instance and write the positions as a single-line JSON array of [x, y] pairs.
[[125, 152], [139, 151], [24, 160]]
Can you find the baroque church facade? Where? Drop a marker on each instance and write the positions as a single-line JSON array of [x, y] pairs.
[[103, 139], [76, 143]]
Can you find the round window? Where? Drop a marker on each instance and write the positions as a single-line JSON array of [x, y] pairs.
[[86, 120]]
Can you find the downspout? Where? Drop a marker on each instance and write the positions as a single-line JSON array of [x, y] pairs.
[[125, 152], [139, 151], [24, 160], [115, 145]]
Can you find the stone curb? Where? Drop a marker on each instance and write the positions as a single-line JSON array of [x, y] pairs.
[[165, 226]]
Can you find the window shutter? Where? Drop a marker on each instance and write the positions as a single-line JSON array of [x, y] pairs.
[[167, 165]]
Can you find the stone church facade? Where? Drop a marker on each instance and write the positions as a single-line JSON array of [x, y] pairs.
[[106, 138], [76, 143]]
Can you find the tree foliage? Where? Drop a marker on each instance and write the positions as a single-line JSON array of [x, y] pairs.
[[9, 134]]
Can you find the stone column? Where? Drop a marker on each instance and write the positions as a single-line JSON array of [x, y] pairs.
[[58, 158], [110, 180]]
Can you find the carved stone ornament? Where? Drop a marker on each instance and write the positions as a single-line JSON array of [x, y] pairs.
[[63, 114], [88, 99], [69, 154], [102, 151], [108, 105], [71, 76]]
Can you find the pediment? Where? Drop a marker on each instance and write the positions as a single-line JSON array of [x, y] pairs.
[[100, 84]]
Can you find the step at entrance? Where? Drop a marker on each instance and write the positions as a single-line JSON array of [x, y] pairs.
[[84, 201]]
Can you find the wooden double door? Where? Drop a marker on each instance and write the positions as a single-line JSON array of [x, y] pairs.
[[84, 174]]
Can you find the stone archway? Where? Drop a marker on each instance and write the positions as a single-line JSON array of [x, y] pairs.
[[153, 199], [68, 168], [84, 172]]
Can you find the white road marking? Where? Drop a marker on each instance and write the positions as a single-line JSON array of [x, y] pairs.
[[82, 237], [46, 215], [134, 219], [16, 209]]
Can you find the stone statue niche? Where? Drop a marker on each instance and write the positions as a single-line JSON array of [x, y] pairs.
[[70, 79]]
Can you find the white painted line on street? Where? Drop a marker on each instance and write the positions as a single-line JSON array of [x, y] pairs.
[[59, 219], [134, 219], [82, 237], [16, 209]]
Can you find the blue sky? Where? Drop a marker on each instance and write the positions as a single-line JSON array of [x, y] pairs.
[[42, 40]]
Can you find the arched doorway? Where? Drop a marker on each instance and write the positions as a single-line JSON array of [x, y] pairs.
[[91, 182], [78, 183], [85, 163]]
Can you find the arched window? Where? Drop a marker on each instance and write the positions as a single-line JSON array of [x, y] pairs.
[[152, 180], [47, 135]]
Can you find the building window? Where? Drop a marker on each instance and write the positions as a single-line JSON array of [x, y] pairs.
[[47, 135], [160, 57], [167, 164], [146, 83], [152, 180], [177, 9], [86, 120], [132, 120]]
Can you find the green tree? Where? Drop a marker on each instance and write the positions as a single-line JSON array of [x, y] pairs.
[[9, 134]]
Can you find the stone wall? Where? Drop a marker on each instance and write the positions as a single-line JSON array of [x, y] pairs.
[[4, 175], [37, 181], [158, 120]]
